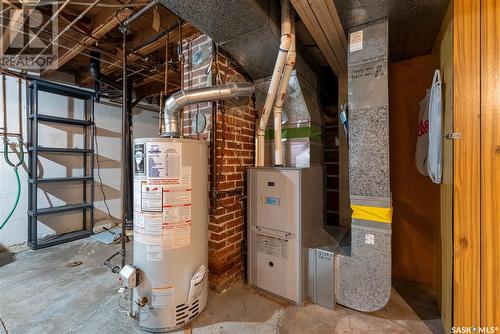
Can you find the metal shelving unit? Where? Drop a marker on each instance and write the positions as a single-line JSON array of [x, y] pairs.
[[86, 207]]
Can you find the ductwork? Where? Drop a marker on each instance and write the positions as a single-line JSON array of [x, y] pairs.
[[253, 41], [180, 99], [363, 270], [301, 123]]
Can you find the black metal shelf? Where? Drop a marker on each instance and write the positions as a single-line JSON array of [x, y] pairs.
[[58, 209], [62, 120], [62, 179], [86, 207], [60, 150], [59, 239]]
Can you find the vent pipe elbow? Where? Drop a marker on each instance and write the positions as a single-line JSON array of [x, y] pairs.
[[174, 104]]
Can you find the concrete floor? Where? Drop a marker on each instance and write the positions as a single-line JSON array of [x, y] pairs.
[[41, 292]]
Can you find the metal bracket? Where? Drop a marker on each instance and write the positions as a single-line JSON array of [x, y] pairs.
[[453, 136]]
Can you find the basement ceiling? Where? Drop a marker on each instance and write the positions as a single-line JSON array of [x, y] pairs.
[[413, 24]]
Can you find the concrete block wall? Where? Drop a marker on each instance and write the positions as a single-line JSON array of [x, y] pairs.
[[235, 153]]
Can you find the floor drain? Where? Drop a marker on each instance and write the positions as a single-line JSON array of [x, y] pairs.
[[74, 263]]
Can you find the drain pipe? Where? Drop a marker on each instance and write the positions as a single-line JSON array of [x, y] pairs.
[[275, 81], [290, 63], [174, 104]]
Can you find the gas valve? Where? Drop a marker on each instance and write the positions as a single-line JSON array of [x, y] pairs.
[[129, 276]]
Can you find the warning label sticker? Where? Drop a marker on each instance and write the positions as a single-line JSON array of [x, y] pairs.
[[151, 198], [138, 219], [152, 224], [272, 246], [164, 163], [176, 235], [139, 156], [137, 194], [154, 253], [356, 41], [163, 297]]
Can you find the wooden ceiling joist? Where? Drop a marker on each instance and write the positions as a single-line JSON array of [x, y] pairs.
[[187, 30], [101, 25], [321, 19]]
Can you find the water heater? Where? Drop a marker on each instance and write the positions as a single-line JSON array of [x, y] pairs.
[[170, 231]]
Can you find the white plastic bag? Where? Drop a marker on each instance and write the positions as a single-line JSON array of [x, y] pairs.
[[429, 132], [434, 156], [423, 135]]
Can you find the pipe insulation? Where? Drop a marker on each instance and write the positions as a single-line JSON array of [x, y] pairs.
[[182, 98], [363, 275], [276, 79]]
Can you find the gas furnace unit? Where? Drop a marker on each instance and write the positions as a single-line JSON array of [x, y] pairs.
[[285, 216]]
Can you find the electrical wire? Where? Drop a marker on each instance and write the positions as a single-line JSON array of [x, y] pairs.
[[116, 220], [48, 41]]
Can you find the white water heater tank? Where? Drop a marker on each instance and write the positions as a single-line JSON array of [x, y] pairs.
[[170, 231]]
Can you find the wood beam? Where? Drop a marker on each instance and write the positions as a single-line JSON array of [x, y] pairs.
[[187, 31], [173, 79], [321, 19], [12, 30], [15, 25], [101, 25]]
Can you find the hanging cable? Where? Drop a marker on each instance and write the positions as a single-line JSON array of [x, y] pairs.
[[116, 220]]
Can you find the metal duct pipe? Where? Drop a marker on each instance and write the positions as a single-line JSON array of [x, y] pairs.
[[287, 72], [140, 12], [182, 98], [275, 81], [363, 277], [95, 71]]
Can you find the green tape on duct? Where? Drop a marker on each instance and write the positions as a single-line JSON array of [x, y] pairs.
[[289, 133]]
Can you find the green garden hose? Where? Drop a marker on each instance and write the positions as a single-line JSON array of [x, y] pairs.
[[16, 171]]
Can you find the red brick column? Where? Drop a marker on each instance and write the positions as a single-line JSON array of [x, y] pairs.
[[235, 153]]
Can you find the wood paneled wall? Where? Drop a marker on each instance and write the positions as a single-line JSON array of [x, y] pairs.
[[415, 234], [490, 163], [476, 288], [467, 163]]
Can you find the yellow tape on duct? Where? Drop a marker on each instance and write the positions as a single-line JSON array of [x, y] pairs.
[[373, 213]]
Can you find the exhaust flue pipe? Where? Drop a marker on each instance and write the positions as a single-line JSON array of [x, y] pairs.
[[182, 98], [275, 81], [278, 106]]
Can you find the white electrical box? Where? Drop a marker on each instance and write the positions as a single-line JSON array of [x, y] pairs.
[[285, 216]]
